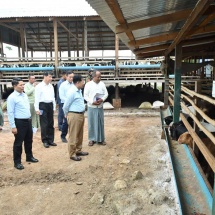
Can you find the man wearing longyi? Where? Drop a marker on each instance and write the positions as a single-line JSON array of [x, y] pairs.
[[19, 117]]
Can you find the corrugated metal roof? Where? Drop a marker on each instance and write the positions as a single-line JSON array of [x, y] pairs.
[[128, 13], [41, 8]]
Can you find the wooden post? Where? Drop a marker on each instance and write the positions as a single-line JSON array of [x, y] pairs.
[[196, 129], [77, 41], [51, 46], [1, 92], [86, 54], [177, 88], [26, 44], [203, 69], [32, 55], [22, 40], [166, 84], [213, 206], [117, 100], [214, 70], [83, 55], [69, 44], [56, 46], [116, 55], [19, 53]]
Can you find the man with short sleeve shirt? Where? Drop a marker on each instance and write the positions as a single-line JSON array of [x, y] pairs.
[[45, 106], [74, 108], [19, 117]]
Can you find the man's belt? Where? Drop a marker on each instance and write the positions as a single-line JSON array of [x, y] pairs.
[[76, 112], [28, 119]]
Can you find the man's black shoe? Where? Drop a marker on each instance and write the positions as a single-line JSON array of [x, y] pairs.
[[32, 159], [19, 166], [64, 140], [82, 153], [46, 145], [52, 144]]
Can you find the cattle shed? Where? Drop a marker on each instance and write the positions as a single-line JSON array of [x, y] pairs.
[[181, 33]]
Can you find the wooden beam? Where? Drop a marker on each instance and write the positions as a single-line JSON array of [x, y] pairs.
[[116, 10], [150, 54], [89, 32], [151, 49], [65, 28], [199, 54], [202, 40], [200, 8], [188, 43], [170, 36], [10, 27], [50, 19], [173, 17]]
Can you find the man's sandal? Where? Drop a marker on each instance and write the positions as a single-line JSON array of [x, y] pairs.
[[91, 143]]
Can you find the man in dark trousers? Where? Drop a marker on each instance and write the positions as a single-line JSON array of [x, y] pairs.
[[45, 106], [19, 117], [60, 104]]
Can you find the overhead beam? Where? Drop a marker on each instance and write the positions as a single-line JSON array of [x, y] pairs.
[[187, 43], [116, 10], [65, 28], [151, 49], [186, 51], [200, 8], [170, 36], [150, 54], [198, 54], [90, 32], [173, 17], [10, 27], [50, 19]]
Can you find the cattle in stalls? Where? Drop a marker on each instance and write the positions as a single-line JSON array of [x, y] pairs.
[[71, 64], [186, 68], [187, 139]]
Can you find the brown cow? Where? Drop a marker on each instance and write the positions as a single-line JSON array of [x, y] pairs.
[[186, 138]]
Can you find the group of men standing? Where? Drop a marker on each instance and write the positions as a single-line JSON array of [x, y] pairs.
[[34, 105]]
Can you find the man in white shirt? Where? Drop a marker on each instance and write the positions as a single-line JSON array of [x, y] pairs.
[[95, 93], [45, 106], [63, 90]]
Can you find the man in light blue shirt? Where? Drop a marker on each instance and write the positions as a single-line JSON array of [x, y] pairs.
[[63, 90], [74, 111], [19, 117], [60, 110]]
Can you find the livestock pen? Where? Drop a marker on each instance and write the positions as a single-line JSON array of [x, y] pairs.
[[194, 166]]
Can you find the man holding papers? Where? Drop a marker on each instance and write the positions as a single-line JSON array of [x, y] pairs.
[[95, 93]]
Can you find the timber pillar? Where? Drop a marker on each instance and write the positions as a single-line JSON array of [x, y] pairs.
[[117, 100]]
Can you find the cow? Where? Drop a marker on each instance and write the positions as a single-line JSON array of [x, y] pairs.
[[187, 139]]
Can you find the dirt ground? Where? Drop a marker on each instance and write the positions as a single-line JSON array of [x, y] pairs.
[[131, 175]]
